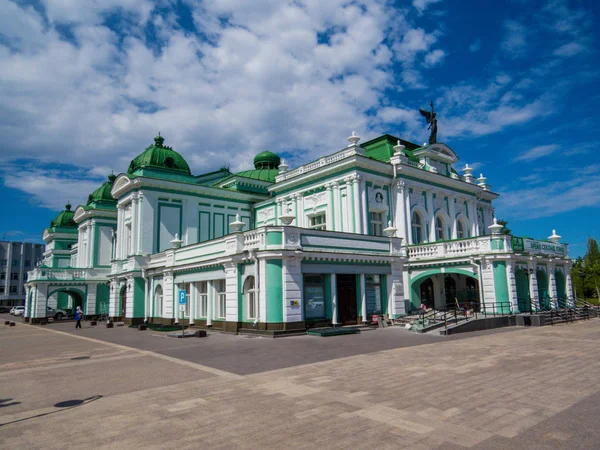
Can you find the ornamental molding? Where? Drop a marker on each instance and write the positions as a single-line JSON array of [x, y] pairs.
[[266, 214]]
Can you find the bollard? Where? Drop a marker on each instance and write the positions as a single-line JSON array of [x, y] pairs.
[[201, 333], [141, 327], [7, 322], [109, 324], [12, 324], [93, 323]]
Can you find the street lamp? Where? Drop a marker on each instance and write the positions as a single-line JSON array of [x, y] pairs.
[[528, 273]]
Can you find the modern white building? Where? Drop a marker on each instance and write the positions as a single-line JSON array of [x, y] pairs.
[[376, 228], [16, 259]]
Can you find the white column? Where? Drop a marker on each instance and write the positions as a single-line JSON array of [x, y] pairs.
[[330, 220], [552, 282], [356, 209], [363, 206], [407, 216], [334, 300], [512, 287], [535, 301], [90, 303], [138, 231], [363, 297], [120, 232], [337, 207], [452, 213], [193, 301], [134, 225], [430, 211], [569, 283], [209, 307], [299, 210], [91, 244], [27, 299]]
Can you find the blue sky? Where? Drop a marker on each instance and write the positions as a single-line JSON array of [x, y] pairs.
[[86, 85]]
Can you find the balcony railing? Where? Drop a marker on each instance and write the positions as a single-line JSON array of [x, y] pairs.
[[65, 274], [459, 248]]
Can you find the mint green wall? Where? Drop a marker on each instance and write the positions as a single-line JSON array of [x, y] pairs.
[[501, 287], [138, 297], [522, 283], [274, 238], [543, 294], [274, 275], [62, 301], [561, 284], [102, 299]]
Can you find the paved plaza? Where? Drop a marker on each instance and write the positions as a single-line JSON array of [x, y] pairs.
[[388, 388]]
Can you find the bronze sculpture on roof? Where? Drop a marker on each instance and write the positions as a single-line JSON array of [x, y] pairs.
[[432, 121]]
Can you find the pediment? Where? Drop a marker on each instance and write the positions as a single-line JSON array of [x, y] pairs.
[[121, 185], [438, 152]]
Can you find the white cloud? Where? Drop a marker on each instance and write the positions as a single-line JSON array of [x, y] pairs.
[[475, 46], [434, 58], [515, 40], [537, 152], [570, 49], [550, 198], [422, 5]]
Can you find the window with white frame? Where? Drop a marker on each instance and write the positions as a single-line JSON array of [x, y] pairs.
[[251, 298], [376, 223], [187, 288], [221, 298], [318, 221], [202, 303], [158, 301], [417, 228], [461, 230], [440, 233]]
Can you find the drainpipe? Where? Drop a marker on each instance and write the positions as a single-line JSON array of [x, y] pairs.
[[146, 295]]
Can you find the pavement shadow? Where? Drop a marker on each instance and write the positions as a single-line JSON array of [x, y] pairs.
[[4, 402], [62, 406]]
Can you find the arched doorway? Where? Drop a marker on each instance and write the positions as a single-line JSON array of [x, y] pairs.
[[471, 297], [523, 294], [450, 291], [561, 288], [158, 301], [67, 300], [542, 283], [123, 302], [250, 299], [427, 298]]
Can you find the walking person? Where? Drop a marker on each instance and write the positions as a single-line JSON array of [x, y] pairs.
[[78, 317]]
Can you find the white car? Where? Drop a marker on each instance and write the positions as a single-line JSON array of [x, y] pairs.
[[58, 314], [18, 311]]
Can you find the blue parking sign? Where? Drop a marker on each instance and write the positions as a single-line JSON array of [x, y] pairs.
[[182, 295]]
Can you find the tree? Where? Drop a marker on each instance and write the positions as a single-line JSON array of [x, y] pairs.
[[505, 229], [592, 263]]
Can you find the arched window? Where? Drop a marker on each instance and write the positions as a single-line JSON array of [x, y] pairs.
[[251, 298], [440, 235], [158, 301], [461, 230], [417, 228]]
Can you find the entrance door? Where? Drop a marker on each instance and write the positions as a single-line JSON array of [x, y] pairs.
[[427, 293], [123, 302], [346, 293], [450, 289]]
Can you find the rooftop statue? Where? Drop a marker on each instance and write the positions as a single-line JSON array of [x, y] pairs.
[[432, 121]]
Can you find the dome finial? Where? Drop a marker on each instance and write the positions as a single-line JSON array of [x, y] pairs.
[[68, 205], [158, 140]]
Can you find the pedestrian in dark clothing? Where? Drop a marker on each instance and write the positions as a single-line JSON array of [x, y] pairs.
[[78, 317]]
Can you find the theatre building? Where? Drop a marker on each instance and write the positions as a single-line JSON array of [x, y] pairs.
[[378, 228]]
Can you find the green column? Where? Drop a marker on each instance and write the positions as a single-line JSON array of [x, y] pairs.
[[501, 288]]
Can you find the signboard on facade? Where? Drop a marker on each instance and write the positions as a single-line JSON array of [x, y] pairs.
[[542, 247], [517, 244]]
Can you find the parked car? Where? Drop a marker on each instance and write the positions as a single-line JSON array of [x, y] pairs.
[[58, 314], [18, 311]]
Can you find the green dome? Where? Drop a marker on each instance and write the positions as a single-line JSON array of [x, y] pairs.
[[102, 194], [260, 174], [64, 218], [267, 160], [159, 156]]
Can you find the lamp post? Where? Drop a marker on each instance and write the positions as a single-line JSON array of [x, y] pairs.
[[528, 273]]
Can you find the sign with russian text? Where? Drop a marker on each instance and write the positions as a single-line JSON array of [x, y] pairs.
[[542, 247]]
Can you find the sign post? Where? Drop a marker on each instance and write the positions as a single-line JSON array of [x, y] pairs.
[[182, 302]]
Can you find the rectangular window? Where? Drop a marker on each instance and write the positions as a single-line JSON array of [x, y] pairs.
[[13, 289], [3, 262], [202, 305], [373, 294], [1, 289], [15, 262], [376, 224], [14, 276], [2, 275], [318, 221], [221, 298], [314, 297], [252, 305]]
